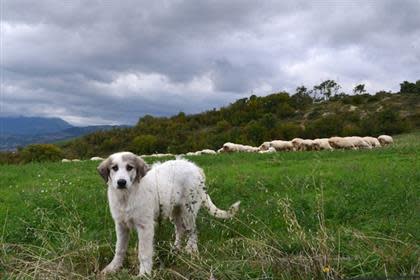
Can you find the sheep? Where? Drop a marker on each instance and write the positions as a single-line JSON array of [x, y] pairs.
[[279, 145], [96, 158], [297, 144], [203, 152], [158, 155], [65, 160], [75, 160], [208, 152], [341, 143], [300, 144], [264, 146], [374, 142], [269, 150], [251, 149], [385, 140], [359, 142], [232, 147], [282, 145], [323, 144], [310, 145]]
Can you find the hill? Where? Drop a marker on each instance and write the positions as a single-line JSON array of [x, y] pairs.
[[21, 131], [31, 125], [312, 215], [256, 119]]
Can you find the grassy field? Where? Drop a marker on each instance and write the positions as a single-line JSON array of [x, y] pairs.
[[304, 215]]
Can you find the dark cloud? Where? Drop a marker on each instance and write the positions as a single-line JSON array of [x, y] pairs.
[[114, 61]]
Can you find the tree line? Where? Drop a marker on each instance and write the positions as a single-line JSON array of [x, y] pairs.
[[322, 111]]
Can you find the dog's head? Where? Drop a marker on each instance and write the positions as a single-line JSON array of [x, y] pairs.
[[122, 170]]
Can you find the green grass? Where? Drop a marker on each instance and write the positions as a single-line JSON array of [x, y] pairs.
[[319, 215]]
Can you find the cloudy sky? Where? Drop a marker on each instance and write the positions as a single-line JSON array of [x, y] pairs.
[[110, 62]]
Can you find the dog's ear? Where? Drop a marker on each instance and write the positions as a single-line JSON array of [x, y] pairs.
[[104, 169], [141, 168]]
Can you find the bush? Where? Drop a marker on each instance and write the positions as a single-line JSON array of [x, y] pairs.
[[9, 157], [326, 126], [41, 152], [144, 144]]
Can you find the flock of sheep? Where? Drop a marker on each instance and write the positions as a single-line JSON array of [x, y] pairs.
[[296, 144], [299, 144]]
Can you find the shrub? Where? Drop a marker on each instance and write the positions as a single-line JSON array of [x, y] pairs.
[[41, 152], [144, 144]]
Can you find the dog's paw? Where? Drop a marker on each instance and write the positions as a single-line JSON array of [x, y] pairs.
[[145, 269], [110, 268], [144, 275], [192, 249]]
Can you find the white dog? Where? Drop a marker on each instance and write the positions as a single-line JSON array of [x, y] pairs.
[[138, 195]]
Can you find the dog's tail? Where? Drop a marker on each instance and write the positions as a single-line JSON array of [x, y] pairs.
[[213, 210], [216, 212]]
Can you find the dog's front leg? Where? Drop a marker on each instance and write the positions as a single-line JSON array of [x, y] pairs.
[[145, 233], [123, 236]]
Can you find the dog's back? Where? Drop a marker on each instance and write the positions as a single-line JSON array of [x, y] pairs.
[[177, 182]]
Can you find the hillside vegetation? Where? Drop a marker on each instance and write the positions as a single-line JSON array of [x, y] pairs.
[[304, 215], [254, 120], [316, 113]]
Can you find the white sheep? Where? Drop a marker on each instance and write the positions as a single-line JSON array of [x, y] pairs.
[[323, 144], [374, 142], [297, 144], [203, 152], [300, 144], [96, 158], [385, 140], [232, 147], [158, 155], [341, 143], [310, 145], [208, 152], [281, 145], [265, 146], [269, 150], [358, 142], [65, 160]]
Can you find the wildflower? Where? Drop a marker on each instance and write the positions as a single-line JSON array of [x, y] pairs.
[[326, 269]]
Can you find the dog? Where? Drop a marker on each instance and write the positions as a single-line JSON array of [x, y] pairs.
[[138, 195]]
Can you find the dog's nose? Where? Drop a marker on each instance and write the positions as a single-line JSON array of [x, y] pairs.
[[121, 183]]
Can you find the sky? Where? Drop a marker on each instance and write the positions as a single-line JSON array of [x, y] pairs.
[[111, 62]]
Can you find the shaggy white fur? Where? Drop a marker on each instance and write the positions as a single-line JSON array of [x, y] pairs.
[[138, 196]]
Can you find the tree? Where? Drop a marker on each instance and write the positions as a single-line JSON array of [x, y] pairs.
[[418, 86], [325, 90], [301, 99], [407, 87], [359, 89]]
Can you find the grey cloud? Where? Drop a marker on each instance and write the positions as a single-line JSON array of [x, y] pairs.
[[75, 56]]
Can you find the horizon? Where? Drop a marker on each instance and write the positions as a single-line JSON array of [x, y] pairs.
[[133, 124]]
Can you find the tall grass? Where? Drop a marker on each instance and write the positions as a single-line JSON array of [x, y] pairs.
[[304, 216]]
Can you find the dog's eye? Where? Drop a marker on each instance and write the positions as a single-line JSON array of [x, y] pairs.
[[115, 168], [129, 167]]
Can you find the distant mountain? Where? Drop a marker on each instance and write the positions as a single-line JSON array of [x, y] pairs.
[[31, 125], [21, 131]]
